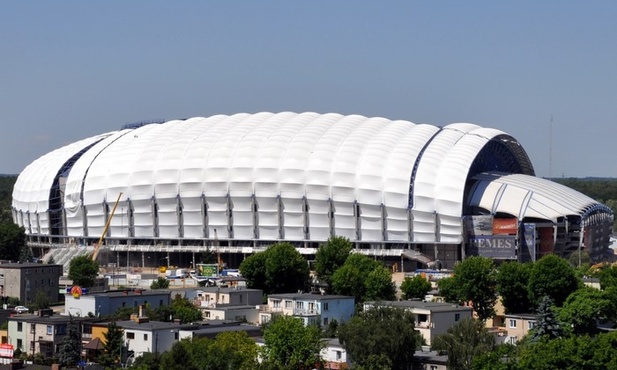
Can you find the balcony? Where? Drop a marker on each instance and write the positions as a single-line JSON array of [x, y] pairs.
[[265, 308], [303, 312]]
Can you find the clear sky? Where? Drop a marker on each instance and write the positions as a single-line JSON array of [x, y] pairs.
[[74, 69]]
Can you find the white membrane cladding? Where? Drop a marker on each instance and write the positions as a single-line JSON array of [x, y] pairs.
[[526, 196], [265, 176], [31, 193]]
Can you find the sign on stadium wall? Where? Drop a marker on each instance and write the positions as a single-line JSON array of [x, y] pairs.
[[479, 225], [505, 226], [493, 246]]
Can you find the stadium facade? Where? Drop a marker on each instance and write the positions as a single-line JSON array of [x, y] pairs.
[[242, 182]]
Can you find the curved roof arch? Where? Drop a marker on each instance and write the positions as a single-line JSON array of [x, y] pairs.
[[529, 197], [390, 167]]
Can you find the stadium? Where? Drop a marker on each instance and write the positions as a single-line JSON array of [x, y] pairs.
[[411, 194]]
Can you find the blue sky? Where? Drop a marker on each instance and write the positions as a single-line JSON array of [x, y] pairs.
[[73, 69]]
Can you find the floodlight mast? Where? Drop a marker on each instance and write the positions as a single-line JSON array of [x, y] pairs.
[[100, 242]]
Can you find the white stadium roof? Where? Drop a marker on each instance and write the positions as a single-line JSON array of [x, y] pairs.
[[283, 176]]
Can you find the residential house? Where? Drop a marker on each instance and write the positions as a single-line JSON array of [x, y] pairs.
[[429, 360], [25, 280], [319, 309], [210, 297], [334, 355], [431, 318], [220, 303], [212, 330], [42, 333], [107, 303], [142, 335], [248, 314], [518, 325]]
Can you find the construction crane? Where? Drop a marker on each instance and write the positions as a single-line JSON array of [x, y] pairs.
[[100, 242]]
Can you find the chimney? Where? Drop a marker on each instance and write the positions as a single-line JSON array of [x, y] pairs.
[[141, 310]]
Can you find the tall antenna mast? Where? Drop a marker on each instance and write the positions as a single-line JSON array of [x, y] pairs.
[[550, 150]]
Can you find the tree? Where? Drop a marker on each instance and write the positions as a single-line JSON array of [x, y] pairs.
[[147, 361], [364, 278], [448, 290], [547, 325], [286, 269], [570, 353], [69, 353], [114, 343], [608, 276], [330, 257], [416, 287], [160, 283], [503, 357], [380, 332], [41, 301], [379, 285], [178, 357], [25, 254], [475, 280], [253, 269], [292, 345], [584, 309], [513, 287], [83, 271], [278, 269], [464, 341], [184, 310], [12, 241], [552, 276], [233, 350]]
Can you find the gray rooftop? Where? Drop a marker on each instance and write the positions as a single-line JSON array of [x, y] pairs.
[[430, 306], [309, 296]]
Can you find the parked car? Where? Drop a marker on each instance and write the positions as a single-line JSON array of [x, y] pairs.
[[21, 309]]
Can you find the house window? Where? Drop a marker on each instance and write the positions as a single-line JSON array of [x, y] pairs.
[[288, 304], [265, 319], [457, 316], [532, 324], [61, 329], [20, 344], [433, 367], [299, 305], [32, 328], [276, 304], [50, 330], [512, 323], [325, 321], [20, 327], [130, 335], [311, 306], [325, 306], [207, 314], [240, 296], [145, 337], [176, 335], [339, 355]]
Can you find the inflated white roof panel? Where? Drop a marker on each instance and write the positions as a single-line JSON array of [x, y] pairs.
[[268, 176]]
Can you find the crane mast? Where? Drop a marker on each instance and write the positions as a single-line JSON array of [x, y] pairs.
[[100, 242]]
